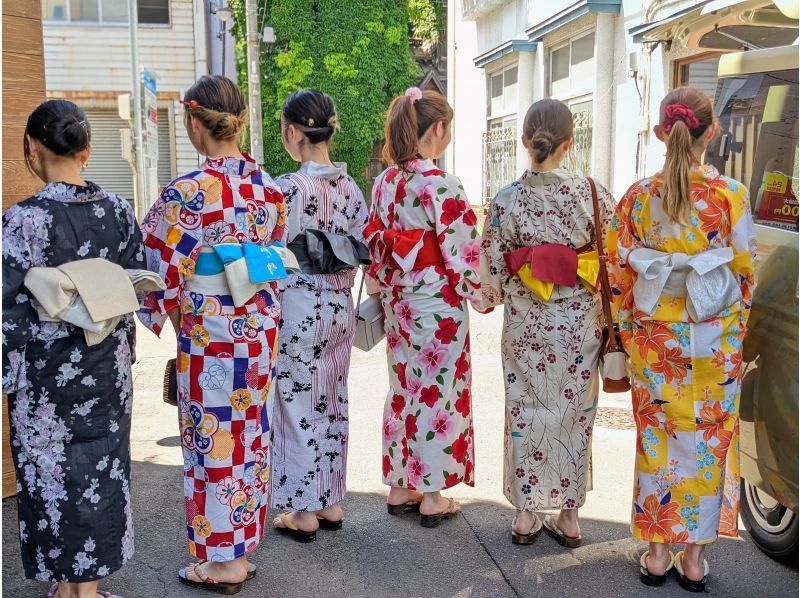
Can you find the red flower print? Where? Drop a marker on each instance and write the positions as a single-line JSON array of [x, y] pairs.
[[715, 217], [452, 209], [450, 296], [469, 218], [429, 396], [460, 447], [411, 425], [398, 404], [389, 427], [463, 403], [416, 470], [471, 254], [712, 420], [657, 518], [448, 328], [451, 480], [468, 472], [401, 374], [404, 447], [462, 364], [387, 465]]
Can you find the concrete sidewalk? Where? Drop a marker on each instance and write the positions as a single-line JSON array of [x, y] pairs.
[[376, 555]]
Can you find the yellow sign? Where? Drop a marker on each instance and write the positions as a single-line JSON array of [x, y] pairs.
[[774, 182]]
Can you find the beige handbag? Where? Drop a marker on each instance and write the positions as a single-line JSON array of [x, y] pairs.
[[369, 321], [613, 359]]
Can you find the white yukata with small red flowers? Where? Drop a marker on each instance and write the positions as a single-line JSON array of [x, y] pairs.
[[427, 422]]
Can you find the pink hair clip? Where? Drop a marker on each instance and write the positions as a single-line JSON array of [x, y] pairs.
[[675, 112], [413, 94]]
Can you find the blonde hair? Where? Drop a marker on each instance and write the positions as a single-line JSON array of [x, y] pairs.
[[685, 116], [407, 121], [218, 103]]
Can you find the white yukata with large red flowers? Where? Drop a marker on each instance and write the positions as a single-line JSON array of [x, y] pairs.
[[427, 422]]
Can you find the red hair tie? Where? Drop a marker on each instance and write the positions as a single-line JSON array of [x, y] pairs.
[[192, 105], [675, 112]]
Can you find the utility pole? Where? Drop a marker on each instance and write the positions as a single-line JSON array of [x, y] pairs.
[[254, 81], [139, 188]]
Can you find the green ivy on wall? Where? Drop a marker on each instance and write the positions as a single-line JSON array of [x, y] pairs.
[[356, 51]]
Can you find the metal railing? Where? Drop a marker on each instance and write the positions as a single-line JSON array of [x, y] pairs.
[[499, 161], [579, 158]]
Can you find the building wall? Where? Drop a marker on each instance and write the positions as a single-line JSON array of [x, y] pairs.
[[90, 65], [626, 100]]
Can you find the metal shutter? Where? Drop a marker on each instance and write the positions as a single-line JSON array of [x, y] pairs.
[[107, 168]]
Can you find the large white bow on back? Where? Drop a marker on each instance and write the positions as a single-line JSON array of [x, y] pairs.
[[705, 279]]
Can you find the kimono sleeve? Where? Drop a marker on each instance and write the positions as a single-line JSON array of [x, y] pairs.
[[621, 239], [742, 240], [132, 248], [360, 213], [494, 272], [275, 196], [170, 250], [291, 220], [458, 238], [19, 317]]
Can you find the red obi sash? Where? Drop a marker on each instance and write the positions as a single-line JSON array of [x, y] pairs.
[[541, 267], [406, 250]]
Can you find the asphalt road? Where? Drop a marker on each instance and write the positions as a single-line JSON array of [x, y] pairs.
[[375, 555]]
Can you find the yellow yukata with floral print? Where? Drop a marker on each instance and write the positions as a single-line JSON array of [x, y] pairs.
[[686, 375]]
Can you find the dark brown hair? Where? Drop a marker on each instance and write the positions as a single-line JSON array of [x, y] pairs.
[[407, 122], [218, 103], [548, 124], [60, 126], [676, 196], [313, 113]]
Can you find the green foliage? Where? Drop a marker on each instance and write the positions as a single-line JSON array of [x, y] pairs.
[[427, 19], [356, 51]]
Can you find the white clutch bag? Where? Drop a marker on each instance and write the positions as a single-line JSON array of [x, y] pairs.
[[369, 321]]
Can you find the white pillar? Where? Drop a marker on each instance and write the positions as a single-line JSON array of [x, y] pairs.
[[525, 97], [450, 154], [602, 137], [200, 38]]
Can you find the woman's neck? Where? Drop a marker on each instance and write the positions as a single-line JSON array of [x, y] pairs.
[[317, 152], [63, 173], [222, 149], [550, 163]]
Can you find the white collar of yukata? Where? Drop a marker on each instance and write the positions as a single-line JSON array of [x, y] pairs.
[[237, 166], [324, 171], [529, 177], [421, 165], [71, 193]]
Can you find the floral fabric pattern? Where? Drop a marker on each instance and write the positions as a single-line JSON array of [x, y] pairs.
[[226, 354], [550, 350], [428, 440], [310, 419], [686, 375], [69, 404]]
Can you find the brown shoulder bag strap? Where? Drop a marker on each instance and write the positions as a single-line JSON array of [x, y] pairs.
[[605, 287]]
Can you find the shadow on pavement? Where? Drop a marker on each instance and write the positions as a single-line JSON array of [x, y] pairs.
[[376, 555]]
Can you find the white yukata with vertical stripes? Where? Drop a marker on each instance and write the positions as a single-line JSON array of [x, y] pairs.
[[310, 421]]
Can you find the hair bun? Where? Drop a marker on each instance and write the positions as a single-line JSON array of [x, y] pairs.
[[542, 144]]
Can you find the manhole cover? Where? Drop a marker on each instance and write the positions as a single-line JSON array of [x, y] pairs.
[[614, 418]]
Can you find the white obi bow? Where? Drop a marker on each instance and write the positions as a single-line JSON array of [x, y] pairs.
[[705, 279]]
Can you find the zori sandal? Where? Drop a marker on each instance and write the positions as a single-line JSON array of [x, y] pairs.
[[648, 578], [207, 583], [329, 524], [284, 525], [52, 593], [690, 585], [251, 570], [536, 529], [403, 508], [434, 520], [552, 530]]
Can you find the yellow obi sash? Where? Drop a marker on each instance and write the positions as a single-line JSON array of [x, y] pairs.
[[542, 267]]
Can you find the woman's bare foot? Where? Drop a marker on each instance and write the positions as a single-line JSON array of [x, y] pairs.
[[692, 562], [657, 559], [434, 503], [87, 589], [234, 571], [302, 520], [331, 513], [524, 522], [567, 522], [401, 496]]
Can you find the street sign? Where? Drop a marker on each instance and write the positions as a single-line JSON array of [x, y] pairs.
[[151, 116]]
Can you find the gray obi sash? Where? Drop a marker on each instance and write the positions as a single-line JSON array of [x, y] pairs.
[[320, 252]]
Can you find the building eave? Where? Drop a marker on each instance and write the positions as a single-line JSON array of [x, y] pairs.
[[504, 49], [570, 14]]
